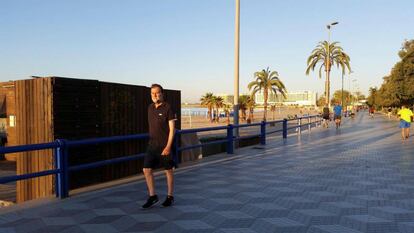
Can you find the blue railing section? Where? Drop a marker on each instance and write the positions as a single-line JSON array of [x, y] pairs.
[[61, 148]]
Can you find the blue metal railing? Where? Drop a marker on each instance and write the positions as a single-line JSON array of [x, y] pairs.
[[61, 149]]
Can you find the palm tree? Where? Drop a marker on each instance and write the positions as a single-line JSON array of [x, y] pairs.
[[250, 104], [328, 54], [266, 81], [217, 103], [243, 106], [227, 109], [207, 100]]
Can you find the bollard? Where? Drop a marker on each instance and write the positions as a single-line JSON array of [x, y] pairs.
[[309, 124], [230, 147], [284, 128], [299, 126]]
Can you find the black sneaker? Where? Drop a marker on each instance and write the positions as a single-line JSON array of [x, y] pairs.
[[168, 201], [152, 200]]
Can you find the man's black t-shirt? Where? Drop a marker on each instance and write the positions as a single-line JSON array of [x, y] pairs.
[[158, 124]]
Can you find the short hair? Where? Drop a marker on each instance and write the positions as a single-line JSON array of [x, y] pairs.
[[157, 85]]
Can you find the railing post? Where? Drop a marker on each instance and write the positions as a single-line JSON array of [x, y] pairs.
[[58, 177], [309, 124], [62, 162], [285, 128], [230, 148], [263, 133], [177, 157], [299, 126]]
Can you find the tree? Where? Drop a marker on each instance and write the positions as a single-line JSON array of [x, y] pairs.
[[207, 101], [372, 96], [337, 97], [227, 109], [243, 99], [321, 101], [328, 54], [267, 81], [250, 104], [217, 104]]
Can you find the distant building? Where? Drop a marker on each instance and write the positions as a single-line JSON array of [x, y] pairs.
[[298, 98]]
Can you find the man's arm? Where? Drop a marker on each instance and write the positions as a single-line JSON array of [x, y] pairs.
[[167, 149]]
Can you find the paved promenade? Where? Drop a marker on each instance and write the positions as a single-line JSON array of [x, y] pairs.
[[356, 179]]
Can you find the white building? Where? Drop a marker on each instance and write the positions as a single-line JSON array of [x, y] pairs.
[[298, 98]]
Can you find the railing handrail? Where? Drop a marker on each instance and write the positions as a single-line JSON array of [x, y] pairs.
[[61, 153]]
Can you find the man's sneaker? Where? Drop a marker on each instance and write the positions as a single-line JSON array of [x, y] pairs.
[[168, 201], [152, 200]]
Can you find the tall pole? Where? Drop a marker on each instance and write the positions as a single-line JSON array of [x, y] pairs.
[[342, 95], [328, 65], [236, 69]]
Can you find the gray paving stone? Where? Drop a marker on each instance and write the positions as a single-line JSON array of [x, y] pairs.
[[331, 229], [229, 219], [235, 230], [406, 227], [391, 194], [186, 226], [314, 217], [392, 213], [101, 228], [297, 203], [344, 208], [262, 210], [368, 223], [324, 196], [367, 200], [278, 225], [282, 191]]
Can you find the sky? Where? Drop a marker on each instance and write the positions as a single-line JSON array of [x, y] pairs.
[[188, 45]]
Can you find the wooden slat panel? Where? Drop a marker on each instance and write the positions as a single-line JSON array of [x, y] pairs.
[[33, 126]]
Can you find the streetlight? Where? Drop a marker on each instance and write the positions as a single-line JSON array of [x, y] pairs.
[[328, 63], [236, 70]]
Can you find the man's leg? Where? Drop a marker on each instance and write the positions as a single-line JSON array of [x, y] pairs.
[[407, 132], [170, 181], [149, 178], [403, 133]]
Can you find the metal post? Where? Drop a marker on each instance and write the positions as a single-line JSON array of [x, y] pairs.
[[309, 124], [62, 181], [230, 148], [299, 126], [236, 69], [263, 133], [58, 176], [284, 128]]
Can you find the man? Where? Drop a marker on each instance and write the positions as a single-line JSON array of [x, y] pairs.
[[326, 116], [161, 121], [405, 121], [337, 114]]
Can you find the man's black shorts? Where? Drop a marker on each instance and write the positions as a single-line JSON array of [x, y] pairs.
[[153, 159]]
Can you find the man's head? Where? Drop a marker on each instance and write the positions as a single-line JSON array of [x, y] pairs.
[[157, 93], [403, 106]]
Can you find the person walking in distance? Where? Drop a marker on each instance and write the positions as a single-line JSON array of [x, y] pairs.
[[161, 122], [337, 114], [405, 121], [326, 116]]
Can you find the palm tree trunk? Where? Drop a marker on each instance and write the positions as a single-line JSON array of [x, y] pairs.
[[218, 115], [265, 104]]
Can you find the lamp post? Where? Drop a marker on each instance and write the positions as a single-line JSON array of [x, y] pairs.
[[236, 70], [328, 63]]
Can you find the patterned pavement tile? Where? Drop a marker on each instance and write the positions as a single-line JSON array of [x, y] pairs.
[[359, 178]]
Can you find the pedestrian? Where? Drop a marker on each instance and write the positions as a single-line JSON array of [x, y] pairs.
[[337, 114], [389, 112], [326, 116], [405, 121], [161, 121]]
